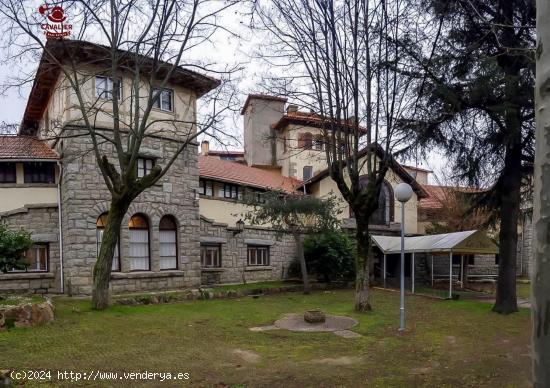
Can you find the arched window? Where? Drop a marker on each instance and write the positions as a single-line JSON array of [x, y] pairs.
[[305, 140], [384, 213], [139, 243], [168, 243], [100, 228]]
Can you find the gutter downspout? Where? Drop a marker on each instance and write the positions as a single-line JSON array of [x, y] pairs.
[[60, 227]]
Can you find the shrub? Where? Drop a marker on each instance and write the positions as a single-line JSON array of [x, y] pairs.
[[13, 244], [330, 256]]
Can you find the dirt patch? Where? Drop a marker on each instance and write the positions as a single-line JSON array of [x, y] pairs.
[[338, 361], [263, 328], [347, 334], [295, 322], [247, 355]]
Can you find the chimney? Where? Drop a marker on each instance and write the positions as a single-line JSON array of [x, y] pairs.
[[291, 108], [205, 147]]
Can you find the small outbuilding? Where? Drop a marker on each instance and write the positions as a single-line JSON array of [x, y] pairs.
[[437, 247]]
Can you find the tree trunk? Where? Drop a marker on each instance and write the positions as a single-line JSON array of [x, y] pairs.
[[510, 193], [302, 260], [540, 307], [362, 266], [102, 267]]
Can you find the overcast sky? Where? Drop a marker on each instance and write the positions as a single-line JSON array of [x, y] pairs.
[[224, 49]]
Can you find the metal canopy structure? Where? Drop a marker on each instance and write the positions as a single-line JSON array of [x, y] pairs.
[[467, 242]]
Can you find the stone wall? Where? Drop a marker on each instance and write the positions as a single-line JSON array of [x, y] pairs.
[[484, 267], [42, 222], [234, 267], [85, 197]]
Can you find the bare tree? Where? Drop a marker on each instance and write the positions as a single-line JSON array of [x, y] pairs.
[[541, 265], [339, 60], [149, 43]]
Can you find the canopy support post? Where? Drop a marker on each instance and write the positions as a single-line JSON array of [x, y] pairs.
[[432, 269], [412, 272], [451, 274], [462, 270], [384, 275]]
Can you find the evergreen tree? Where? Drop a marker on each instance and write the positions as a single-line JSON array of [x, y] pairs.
[[477, 80]]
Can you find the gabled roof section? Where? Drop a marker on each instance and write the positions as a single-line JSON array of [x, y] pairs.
[[238, 173], [265, 97], [308, 120], [394, 165], [25, 148], [79, 51]]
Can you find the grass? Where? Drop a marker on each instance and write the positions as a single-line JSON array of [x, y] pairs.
[[450, 343], [523, 290]]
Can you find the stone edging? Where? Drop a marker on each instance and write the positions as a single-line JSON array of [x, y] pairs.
[[213, 293]]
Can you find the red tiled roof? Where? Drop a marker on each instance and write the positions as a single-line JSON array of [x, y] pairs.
[[435, 198], [306, 119], [437, 195], [222, 170], [25, 147]]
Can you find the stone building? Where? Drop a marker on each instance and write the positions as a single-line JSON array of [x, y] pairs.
[[185, 230]]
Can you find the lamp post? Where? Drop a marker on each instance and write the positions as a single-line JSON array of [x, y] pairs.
[[403, 192]]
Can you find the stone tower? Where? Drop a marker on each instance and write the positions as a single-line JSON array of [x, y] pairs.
[[260, 113]]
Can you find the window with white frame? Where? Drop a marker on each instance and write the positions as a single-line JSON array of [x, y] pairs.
[[144, 166], [139, 243], [36, 259], [106, 86], [211, 256], [168, 243], [318, 143], [206, 187], [100, 228], [165, 99], [231, 191], [307, 172], [257, 255]]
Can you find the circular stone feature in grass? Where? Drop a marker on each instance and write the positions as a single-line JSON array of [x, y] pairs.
[[314, 316], [296, 322]]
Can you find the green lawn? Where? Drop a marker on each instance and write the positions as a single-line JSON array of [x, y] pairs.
[[450, 343]]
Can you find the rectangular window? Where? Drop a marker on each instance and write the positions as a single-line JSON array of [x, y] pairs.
[[231, 191], [211, 256], [308, 172], [116, 261], [36, 258], [206, 187], [39, 172], [164, 102], [144, 166], [497, 258], [168, 249], [257, 255], [471, 260], [106, 86], [139, 249], [318, 143], [7, 172]]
